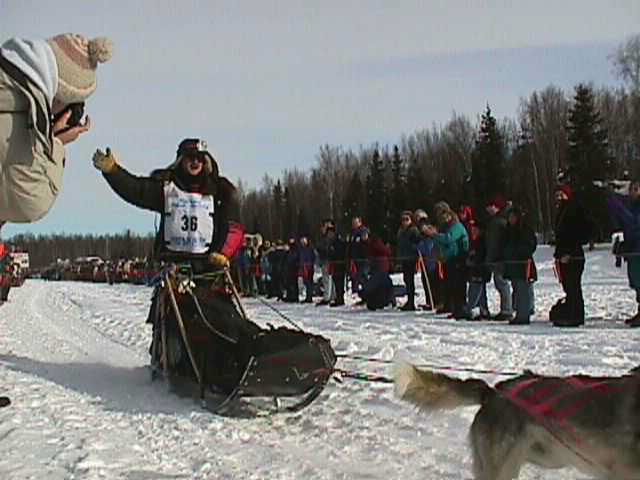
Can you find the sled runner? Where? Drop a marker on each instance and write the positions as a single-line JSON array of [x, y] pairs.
[[202, 334]]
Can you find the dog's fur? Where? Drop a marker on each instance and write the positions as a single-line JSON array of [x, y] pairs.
[[590, 423]]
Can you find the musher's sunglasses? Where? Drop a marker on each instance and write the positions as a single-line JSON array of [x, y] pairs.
[[189, 157]]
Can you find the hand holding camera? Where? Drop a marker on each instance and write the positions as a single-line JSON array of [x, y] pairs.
[[68, 124]]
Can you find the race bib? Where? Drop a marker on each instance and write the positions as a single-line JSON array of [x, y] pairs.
[[189, 220]]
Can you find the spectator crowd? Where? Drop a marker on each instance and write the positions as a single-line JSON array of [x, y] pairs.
[[457, 254]]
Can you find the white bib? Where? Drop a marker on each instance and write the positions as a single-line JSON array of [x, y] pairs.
[[188, 221]]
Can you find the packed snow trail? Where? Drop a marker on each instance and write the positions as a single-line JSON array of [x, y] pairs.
[[73, 360]]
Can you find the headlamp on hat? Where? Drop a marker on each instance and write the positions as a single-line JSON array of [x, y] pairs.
[[197, 147], [192, 145]]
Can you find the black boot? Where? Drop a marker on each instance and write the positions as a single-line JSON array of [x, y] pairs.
[[633, 321], [408, 307]]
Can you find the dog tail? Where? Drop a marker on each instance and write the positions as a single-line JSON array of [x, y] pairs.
[[437, 391]]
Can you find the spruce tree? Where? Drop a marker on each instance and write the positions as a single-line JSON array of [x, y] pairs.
[[288, 214], [418, 193], [278, 203], [587, 156], [398, 187], [353, 202], [488, 161], [257, 226], [303, 225], [376, 206]]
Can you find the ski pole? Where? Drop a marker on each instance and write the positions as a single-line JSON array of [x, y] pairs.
[[423, 271]]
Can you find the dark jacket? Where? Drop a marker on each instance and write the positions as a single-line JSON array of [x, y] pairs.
[[356, 248], [572, 230], [307, 262], [322, 247], [478, 269], [148, 193], [520, 243], [292, 262], [628, 214], [407, 242], [494, 237], [337, 256], [277, 258]]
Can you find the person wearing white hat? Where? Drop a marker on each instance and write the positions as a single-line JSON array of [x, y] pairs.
[[43, 86]]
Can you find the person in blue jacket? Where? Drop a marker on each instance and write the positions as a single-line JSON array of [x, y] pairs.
[[627, 213]]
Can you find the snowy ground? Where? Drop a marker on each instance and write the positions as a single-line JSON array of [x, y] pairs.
[[73, 356]]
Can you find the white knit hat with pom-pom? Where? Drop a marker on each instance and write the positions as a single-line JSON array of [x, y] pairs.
[[77, 58]]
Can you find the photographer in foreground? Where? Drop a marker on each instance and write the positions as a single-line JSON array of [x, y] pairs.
[[43, 86]]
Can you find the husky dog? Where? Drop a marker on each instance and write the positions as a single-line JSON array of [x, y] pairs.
[[590, 423]]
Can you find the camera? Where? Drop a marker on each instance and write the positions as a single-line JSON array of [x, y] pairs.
[[77, 112]]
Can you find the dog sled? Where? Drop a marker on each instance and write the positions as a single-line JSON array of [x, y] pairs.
[[202, 335]]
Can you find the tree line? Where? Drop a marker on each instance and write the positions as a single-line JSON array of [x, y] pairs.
[[589, 134], [45, 249]]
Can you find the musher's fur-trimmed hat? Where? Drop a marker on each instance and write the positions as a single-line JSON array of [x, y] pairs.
[[196, 146]]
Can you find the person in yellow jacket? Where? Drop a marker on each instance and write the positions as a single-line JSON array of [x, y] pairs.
[[43, 86]]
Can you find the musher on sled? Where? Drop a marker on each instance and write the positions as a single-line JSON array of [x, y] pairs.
[[207, 337]]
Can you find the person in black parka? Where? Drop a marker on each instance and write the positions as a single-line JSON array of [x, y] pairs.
[[199, 228], [572, 231], [519, 244], [337, 258]]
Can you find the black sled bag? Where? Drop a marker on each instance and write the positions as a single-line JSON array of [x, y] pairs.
[[287, 362]]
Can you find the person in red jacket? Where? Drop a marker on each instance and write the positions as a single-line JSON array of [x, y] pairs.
[[5, 279], [5, 272]]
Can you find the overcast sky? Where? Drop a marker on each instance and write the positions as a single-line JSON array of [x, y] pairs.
[[266, 83]]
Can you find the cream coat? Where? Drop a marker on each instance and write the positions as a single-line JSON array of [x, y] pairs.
[[31, 161]]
